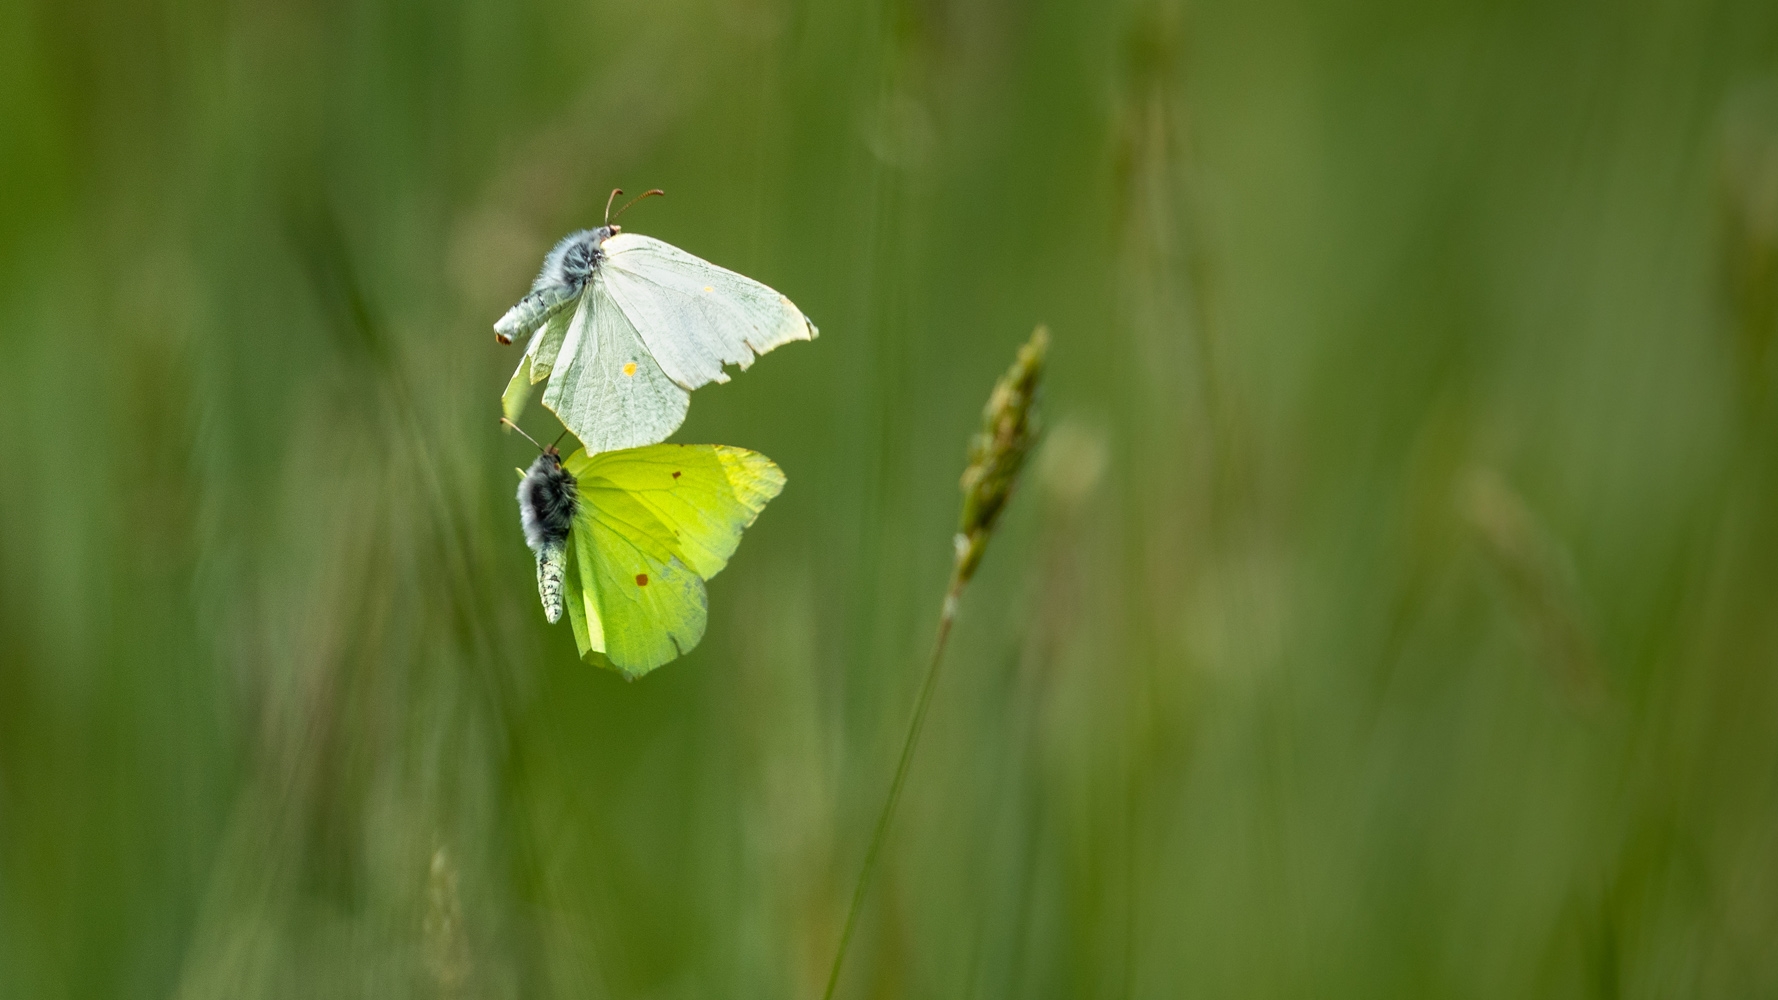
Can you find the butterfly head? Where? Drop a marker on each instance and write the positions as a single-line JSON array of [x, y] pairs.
[[548, 463]]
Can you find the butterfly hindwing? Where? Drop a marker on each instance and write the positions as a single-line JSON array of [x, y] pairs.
[[535, 366], [653, 524], [604, 385], [583, 613], [649, 606]]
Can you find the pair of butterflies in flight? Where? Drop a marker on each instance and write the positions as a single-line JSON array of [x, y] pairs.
[[621, 328]]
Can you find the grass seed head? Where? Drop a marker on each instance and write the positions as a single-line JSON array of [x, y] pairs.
[[997, 452]]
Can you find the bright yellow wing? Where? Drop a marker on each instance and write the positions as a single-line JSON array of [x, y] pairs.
[[655, 523]]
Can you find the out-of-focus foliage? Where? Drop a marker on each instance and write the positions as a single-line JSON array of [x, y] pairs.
[[1392, 609]]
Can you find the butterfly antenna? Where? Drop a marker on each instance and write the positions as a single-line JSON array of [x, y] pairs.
[[559, 438], [613, 197], [632, 201], [522, 433]]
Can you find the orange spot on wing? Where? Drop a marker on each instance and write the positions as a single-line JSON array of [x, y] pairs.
[[630, 368], [641, 579], [709, 288]]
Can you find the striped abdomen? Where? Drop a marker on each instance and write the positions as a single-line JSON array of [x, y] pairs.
[[552, 567], [533, 310]]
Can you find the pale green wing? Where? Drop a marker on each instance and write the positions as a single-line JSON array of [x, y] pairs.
[[707, 494], [653, 524], [518, 388], [583, 611], [547, 345], [696, 317], [604, 385]]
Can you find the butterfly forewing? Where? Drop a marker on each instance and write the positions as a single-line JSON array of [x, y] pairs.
[[707, 494], [694, 316]]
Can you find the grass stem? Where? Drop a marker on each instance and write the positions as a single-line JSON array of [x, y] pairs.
[[946, 617], [996, 455]]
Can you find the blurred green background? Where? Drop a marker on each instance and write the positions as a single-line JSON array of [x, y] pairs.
[[1392, 612]]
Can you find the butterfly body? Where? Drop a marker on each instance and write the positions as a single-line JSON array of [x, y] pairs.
[[623, 327], [549, 497]]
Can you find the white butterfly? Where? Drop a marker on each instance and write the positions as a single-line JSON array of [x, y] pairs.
[[624, 327]]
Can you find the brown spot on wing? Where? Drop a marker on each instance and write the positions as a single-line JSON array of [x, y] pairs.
[[641, 579], [675, 473]]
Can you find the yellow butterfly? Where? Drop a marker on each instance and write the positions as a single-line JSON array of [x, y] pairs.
[[625, 540]]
